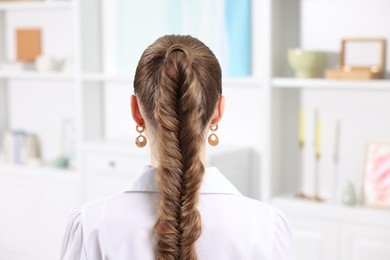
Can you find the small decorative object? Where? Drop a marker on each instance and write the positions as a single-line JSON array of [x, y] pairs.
[[376, 175], [32, 149], [28, 44], [60, 162], [20, 147], [67, 64], [317, 143], [360, 58], [305, 63], [301, 143], [348, 197], [44, 64]]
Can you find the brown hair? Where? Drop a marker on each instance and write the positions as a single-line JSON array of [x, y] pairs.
[[178, 83]]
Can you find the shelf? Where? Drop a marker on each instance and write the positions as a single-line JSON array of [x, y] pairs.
[[123, 79], [328, 84], [128, 79], [26, 170], [323, 210], [32, 75], [116, 146], [35, 5], [241, 82]]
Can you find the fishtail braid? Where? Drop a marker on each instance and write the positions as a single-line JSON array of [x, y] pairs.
[[178, 81]]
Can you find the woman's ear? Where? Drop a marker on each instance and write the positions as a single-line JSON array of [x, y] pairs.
[[135, 111], [218, 113]]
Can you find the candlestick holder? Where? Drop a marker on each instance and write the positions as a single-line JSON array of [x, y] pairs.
[[335, 185], [335, 182], [336, 155], [301, 177], [317, 197]]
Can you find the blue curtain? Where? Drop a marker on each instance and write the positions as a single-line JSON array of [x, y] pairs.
[[238, 28], [224, 25]]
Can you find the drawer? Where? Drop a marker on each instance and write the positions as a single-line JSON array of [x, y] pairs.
[[114, 163]]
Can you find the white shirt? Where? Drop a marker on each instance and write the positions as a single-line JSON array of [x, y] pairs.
[[233, 226]]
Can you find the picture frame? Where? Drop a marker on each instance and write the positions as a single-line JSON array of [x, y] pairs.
[[360, 59], [376, 175], [374, 61]]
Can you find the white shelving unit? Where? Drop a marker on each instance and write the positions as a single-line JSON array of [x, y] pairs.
[[325, 230], [35, 200]]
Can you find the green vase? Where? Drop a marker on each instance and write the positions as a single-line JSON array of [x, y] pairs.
[[348, 196]]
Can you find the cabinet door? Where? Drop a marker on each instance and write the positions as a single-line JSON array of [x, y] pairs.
[[52, 202], [365, 242], [315, 239], [14, 220], [33, 211]]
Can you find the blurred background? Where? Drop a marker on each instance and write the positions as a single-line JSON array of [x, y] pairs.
[[305, 128]]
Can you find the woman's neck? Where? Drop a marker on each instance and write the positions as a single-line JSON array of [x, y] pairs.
[[154, 157]]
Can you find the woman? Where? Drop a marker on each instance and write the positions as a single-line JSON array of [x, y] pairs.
[[178, 208]]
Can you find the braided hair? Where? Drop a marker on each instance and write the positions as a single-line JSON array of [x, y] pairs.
[[178, 84]]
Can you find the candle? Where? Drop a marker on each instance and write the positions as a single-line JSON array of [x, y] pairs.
[[337, 142], [317, 134], [302, 126]]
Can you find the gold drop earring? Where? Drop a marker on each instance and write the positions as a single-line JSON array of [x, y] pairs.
[[140, 141], [213, 138]]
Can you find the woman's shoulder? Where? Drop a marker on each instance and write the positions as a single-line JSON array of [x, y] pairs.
[[276, 222], [283, 244], [115, 208], [79, 226], [261, 206], [255, 206], [276, 216], [90, 212], [73, 237], [243, 210]]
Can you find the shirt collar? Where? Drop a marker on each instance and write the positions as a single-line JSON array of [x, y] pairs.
[[214, 182]]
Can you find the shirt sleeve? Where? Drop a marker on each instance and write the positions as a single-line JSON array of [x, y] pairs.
[[73, 241], [283, 245]]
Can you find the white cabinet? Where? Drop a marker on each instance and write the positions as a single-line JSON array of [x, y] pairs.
[[365, 242], [334, 232], [14, 225], [315, 238], [35, 204]]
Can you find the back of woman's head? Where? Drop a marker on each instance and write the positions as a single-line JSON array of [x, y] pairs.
[[178, 85]]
